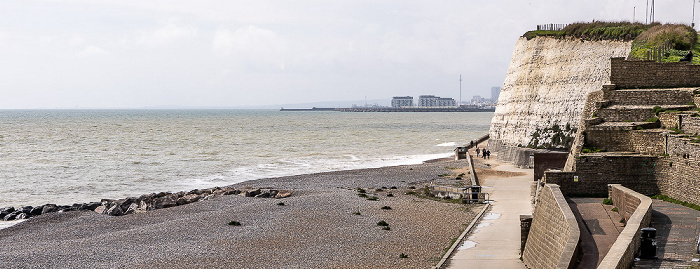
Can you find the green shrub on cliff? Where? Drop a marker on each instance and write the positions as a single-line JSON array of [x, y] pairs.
[[596, 30], [677, 36], [675, 40]]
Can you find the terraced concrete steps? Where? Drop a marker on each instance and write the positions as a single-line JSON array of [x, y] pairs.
[[614, 126], [652, 97]]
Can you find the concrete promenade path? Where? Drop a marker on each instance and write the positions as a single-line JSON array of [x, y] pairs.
[[495, 241]]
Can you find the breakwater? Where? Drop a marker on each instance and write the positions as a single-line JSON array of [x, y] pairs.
[[142, 203], [414, 109]]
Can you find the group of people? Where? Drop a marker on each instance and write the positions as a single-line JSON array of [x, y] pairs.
[[485, 153]]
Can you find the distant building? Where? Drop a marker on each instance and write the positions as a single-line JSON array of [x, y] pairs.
[[402, 101], [446, 102], [435, 101], [477, 99], [495, 91]]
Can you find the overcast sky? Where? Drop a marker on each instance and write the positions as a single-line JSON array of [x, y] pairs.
[[155, 53]]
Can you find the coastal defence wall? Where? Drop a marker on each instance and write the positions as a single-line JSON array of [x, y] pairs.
[[649, 74], [547, 83], [553, 240], [636, 209], [595, 171]]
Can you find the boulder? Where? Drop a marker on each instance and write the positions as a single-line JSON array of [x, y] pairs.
[[11, 215], [131, 208], [100, 209], [232, 191], [49, 208], [263, 194], [115, 210], [66, 208], [146, 205], [126, 203], [283, 194], [90, 206], [26, 209], [219, 192], [187, 199], [250, 193], [165, 202], [8, 210], [36, 210]]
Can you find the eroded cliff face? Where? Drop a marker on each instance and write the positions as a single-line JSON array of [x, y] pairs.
[[546, 86]]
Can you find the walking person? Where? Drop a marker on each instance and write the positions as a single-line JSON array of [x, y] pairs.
[[477, 152]]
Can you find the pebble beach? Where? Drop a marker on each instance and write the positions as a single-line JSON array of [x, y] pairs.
[[324, 224]]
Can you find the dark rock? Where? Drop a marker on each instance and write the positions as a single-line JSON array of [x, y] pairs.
[[195, 191], [66, 208], [263, 195], [90, 206], [131, 208], [36, 210], [250, 193], [115, 210], [231, 191], [219, 192], [283, 194], [21, 215], [146, 205], [187, 199], [11, 215], [165, 202], [126, 203], [26, 209], [48, 208], [8, 210]]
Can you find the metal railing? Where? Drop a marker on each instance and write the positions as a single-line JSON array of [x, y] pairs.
[[551, 27]]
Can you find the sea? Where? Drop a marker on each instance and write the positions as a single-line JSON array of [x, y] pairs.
[[77, 156]]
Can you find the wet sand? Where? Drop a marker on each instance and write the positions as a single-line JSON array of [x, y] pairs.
[[316, 228]]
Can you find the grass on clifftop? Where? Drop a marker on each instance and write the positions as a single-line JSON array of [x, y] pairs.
[[678, 39], [596, 30]]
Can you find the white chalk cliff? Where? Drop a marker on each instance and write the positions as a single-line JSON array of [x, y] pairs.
[[547, 83]]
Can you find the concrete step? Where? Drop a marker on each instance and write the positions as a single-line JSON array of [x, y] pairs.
[[635, 113], [617, 126], [652, 97], [625, 114]]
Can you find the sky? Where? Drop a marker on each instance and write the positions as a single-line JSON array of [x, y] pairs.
[[237, 54]]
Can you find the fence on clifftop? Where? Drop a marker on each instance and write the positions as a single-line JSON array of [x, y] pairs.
[[551, 27]]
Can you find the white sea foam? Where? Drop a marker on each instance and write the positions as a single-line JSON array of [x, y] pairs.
[[447, 144], [7, 224]]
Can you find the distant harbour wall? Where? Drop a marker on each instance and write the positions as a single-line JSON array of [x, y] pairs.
[[414, 109]]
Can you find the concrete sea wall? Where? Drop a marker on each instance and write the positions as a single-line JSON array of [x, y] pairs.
[[547, 83], [554, 234], [636, 209]]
